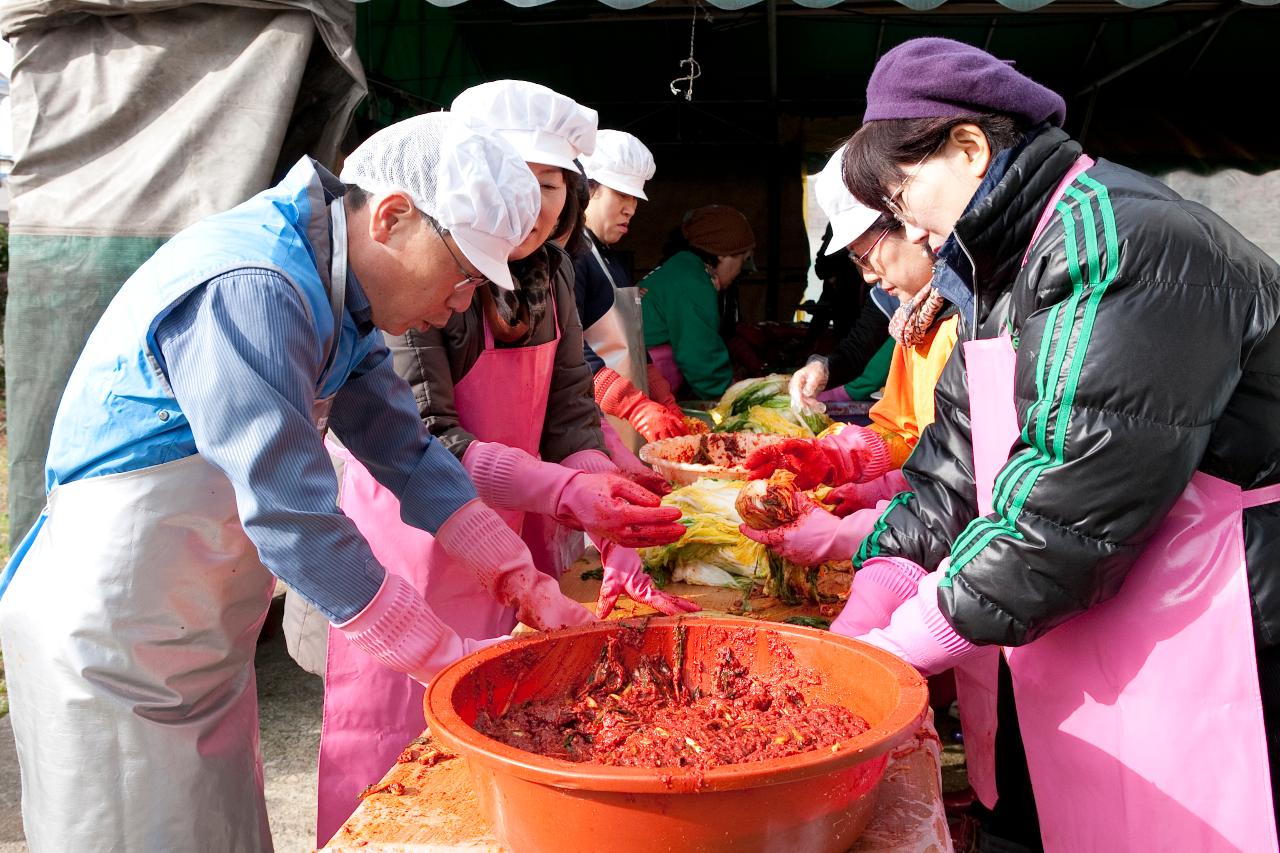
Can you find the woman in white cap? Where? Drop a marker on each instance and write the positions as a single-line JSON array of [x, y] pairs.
[[864, 462], [629, 389], [503, 386], [186, 455]]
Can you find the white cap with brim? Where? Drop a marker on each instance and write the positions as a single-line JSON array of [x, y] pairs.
[[475, 186], [542, 125], [849, 217], [620, 162]]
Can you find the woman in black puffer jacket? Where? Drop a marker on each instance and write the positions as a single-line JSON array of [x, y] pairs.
[[1128, 557]]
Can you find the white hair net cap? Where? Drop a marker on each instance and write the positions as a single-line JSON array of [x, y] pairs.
[[849, 217], [476, 187], [620, 162], [541, 124]]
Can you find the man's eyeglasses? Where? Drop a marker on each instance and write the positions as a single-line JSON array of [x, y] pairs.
[[862, 262], [469, 280]]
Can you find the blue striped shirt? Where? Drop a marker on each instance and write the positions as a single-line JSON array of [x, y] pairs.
[[239, 353]]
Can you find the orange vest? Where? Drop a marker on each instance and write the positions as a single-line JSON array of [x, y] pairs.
[[907, 406]]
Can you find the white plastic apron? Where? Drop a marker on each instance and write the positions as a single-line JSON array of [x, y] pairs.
[[129, 635], [1142, 717], [618, 338], [371, 712]]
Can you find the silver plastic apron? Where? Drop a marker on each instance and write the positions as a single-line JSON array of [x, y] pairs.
[[618, 338], [129, 633]]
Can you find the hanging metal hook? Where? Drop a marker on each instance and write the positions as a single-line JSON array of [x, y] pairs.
[[690, 66]]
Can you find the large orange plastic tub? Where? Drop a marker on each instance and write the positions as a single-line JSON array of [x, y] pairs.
[[814, 801]]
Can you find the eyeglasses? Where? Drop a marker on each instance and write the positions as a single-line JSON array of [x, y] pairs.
[[862, 262], [893, 203], [469, 280]]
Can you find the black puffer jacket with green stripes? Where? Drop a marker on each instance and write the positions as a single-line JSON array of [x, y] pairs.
[[1162, 358]]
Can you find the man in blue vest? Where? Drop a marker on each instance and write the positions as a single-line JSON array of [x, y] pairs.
[[187, 454]]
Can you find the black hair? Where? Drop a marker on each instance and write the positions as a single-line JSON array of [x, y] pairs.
[[872, 155], [571, 226]]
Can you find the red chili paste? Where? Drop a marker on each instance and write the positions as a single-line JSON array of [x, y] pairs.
[[646, 718]]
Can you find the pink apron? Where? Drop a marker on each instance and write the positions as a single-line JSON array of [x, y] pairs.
[[1142, 717], [370, 712]]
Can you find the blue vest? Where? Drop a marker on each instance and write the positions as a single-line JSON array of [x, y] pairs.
[[118, 412]]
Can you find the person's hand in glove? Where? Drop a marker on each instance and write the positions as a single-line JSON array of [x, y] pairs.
[[815, 536], [479, 539], [401, 632], [617, 396], [853, 455], [879, 588], [807, 383], [852, 497], [629, 465], [623, 572], [606, 506], [919, 633], [660, 391]]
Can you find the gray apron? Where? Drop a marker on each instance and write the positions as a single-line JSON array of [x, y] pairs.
[[618, 338], [129, 635]]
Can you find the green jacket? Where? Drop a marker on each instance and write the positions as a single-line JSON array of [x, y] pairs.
[[681, 308]]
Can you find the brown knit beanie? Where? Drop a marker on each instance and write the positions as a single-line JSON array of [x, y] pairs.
[[718, 229]]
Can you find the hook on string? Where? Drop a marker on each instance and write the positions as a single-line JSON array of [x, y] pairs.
[[690, 66]]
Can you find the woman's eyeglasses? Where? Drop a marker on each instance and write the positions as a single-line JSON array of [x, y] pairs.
[[894, 203], [862, 262]]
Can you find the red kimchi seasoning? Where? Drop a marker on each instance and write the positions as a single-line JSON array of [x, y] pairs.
[[647, 718]]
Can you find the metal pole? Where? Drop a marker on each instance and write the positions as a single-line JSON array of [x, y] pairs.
[[1151, 54], [774, 200]]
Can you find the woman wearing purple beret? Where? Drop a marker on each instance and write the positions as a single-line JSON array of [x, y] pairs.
[[1094, 517]]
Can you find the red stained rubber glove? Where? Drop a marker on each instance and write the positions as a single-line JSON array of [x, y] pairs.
[[624, 572], [852, 497], [604, 504], [629, 465], [611, 507], [659, 390], [853, 455], [816, 535], [617, 396]]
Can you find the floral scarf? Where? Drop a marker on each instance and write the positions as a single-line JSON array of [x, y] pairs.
[[910, 324]]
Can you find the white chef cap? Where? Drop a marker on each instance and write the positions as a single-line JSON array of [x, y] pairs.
[[541, 124], [476, 187], [620, 162], [849, 217]]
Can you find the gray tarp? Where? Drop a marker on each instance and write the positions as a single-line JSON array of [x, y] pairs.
[[131, 120]]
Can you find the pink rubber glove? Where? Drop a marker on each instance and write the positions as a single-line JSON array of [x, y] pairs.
[[623, 572], [919, 633], [816, 535], [879, 588], [605, 505], [855, 496], [400, 631], [629, 465], [853, 455], [476, 537]]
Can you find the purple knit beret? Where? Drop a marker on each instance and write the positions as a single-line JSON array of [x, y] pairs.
[[939, 78]]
